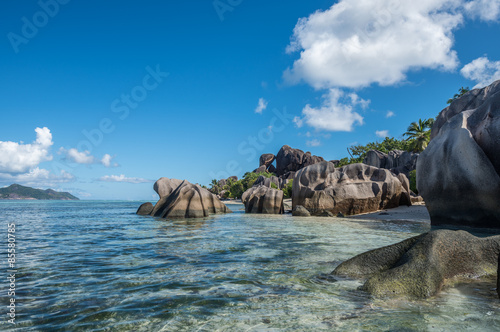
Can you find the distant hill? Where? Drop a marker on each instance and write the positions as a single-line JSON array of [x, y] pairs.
[[17, 191]]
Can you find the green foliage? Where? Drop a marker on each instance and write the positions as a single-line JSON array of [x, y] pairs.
[[287, 190], [249, 178], [413, 181], [460, 93], [274, 186], [214, 187], [236, 189], [358, 152], [419, 134]]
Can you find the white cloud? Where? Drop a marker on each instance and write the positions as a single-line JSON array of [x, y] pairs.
[[122, 178], [336, 112], [314, 142], [299, 122], [359, 42], [390, 114], [482, 71], [37, 177], [261, 106], [20, 158], [106, 161], [486, 10], [382, 133], [85, 158], [73, 155]]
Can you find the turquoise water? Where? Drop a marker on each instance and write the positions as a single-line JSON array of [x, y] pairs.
[[97, 266]]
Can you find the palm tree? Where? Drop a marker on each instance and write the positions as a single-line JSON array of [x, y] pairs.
[[419, 133], [460, 93], [214, 187]]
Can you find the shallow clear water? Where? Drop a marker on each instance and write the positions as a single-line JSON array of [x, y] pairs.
[[97, 266]]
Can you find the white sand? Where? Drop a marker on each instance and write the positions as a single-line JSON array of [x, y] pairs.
[[417, 212]]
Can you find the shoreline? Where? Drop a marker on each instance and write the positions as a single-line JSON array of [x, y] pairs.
[[416, 212]]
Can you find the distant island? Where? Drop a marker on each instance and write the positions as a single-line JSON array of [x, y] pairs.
[[17, 191]]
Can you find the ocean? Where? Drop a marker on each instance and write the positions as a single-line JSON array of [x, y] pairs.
[[96, 266]]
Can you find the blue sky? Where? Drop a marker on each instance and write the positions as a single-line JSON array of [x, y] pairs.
[[103, 98]]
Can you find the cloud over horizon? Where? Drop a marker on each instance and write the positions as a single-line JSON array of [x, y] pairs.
[[123, 178], [37, 177], [85, 158], [20, 158]]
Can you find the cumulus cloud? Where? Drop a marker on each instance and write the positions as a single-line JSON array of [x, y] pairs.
[[313, 143], [389, 114], [20, 158], [485, 10], [85, 158], [382, 133], [75, 156], [37, 177], [359, 42], [107, 161], [122, 178], [261, 106], [482, 71], [336, 112]]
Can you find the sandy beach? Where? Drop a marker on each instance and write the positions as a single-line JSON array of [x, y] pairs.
[[417, 212]]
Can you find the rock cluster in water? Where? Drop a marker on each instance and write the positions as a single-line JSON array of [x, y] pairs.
[[263, 199], [182, 199]]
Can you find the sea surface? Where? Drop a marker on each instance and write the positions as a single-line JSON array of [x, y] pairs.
[[96, 266]]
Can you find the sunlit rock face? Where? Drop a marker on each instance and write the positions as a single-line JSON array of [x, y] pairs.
[[182, 199], [352, 189]]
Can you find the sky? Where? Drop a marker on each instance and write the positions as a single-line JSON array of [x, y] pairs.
[[102, 98]]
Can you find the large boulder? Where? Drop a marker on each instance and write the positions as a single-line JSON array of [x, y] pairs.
[[291, 160], [418, 267], [266, 159], [458, 173], [262, 199], [397, 161], [182, 199], [352, 189], [280, 183]]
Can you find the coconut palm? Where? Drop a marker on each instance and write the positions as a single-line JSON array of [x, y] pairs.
[[419, 134], [214, 187]]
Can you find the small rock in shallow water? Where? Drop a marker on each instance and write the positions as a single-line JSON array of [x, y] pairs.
[[340, 215]]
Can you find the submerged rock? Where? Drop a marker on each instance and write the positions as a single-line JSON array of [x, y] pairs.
[[418, 267], [182, 199], [145, 209], [262, 199], [458, 173], [300, 211], [352, 189]]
